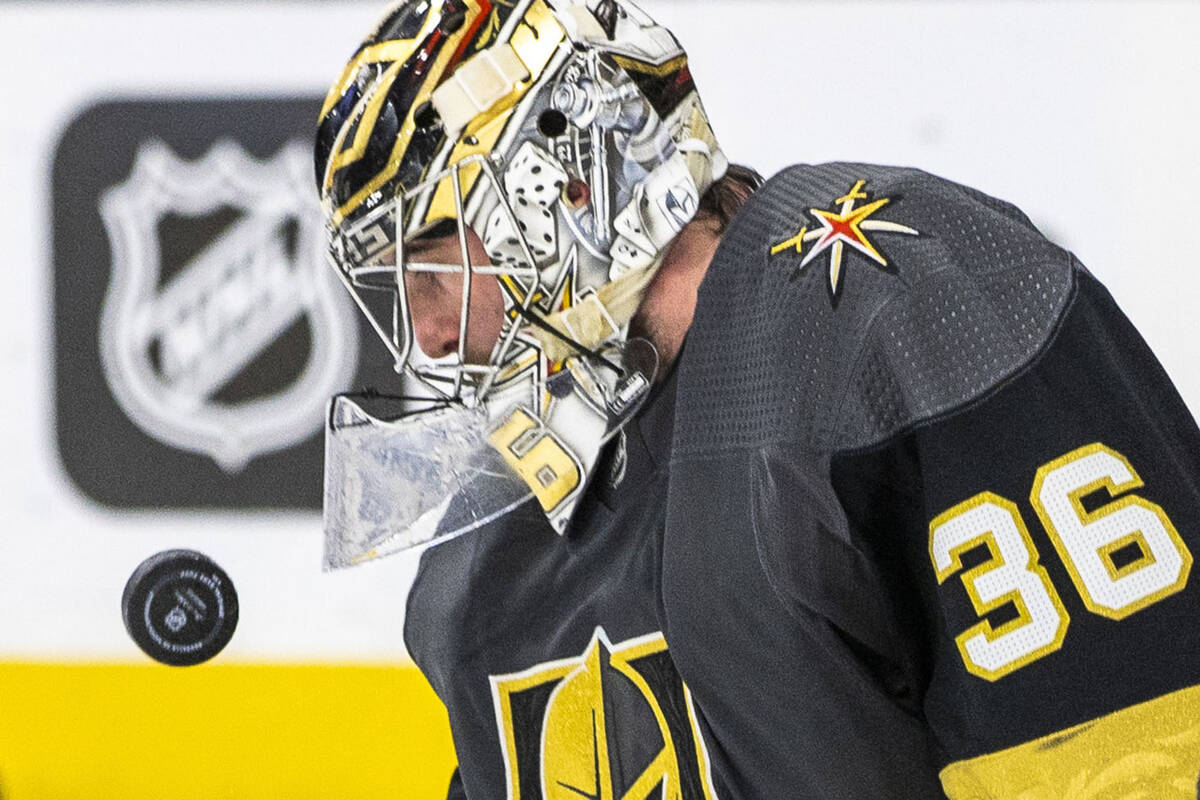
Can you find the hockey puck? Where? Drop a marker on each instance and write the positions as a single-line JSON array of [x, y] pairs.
[[180, 607]]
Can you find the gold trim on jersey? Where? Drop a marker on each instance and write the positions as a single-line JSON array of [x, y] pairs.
[[574, 736], [1014, 578], [1151, 750], [1146, 524]]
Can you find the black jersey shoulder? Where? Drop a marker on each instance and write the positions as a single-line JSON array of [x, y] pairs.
[[835, 347]]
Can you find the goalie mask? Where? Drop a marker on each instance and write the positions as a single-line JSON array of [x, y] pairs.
[[553, 147]]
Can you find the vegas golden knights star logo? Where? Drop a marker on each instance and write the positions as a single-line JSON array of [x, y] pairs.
[[846, 226], [615, 723]]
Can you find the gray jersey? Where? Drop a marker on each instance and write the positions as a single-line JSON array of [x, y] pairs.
[[932, 508], [548, 651]]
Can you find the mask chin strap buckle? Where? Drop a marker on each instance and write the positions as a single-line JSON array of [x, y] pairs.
[[633, 384], [615, 396], [641, 369], [629, 394]]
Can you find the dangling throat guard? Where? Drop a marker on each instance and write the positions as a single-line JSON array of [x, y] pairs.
[[393, 483]]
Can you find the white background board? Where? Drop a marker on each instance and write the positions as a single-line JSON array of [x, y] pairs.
[[1084, 114]]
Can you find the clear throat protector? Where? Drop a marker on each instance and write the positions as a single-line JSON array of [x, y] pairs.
[[398, 478]]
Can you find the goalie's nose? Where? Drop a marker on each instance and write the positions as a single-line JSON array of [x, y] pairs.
[[436, 323], [445, 316]]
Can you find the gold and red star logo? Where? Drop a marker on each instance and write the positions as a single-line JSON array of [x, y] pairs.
[[847, 226]]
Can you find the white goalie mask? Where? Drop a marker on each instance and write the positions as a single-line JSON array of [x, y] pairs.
[[557, 148]]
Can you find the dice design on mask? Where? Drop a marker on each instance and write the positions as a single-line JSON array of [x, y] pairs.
[[533, 184]]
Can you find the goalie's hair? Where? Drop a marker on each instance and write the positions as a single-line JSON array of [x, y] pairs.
[[725, 196]]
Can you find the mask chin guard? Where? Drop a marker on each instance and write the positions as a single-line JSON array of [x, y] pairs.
[[397, 479]]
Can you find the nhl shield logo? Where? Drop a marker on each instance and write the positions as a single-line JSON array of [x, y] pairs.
[[172, 342]]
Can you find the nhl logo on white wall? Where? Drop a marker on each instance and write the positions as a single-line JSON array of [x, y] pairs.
[[168, 346], [198, 333]]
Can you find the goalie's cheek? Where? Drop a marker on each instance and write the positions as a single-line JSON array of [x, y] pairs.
[[435, 309], [487, 318], [435, 299], [435, 303]]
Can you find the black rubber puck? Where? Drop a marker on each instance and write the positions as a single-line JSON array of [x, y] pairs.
[[180, 607]]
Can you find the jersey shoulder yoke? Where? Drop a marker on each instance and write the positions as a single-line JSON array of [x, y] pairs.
[[849, 301]]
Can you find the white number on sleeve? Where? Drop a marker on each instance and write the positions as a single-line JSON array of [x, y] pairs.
[[1011, 575], [1156, 562]]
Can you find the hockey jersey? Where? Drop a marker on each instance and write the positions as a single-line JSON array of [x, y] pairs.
[[548, 651], [932, 509]]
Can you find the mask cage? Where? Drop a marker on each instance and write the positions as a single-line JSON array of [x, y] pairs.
[[368, 255]]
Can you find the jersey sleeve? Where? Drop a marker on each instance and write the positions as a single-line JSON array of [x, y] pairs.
[[1047, 557], [947, 537]]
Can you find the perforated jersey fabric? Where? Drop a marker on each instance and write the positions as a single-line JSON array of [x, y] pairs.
[[931, 516], [964, 303]]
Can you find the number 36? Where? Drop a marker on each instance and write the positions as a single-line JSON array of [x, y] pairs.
[[1155, 565]]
